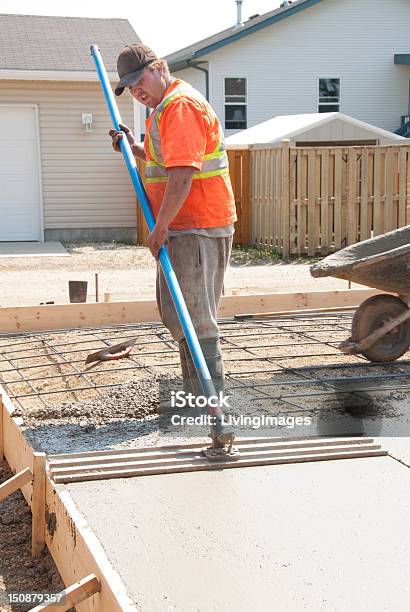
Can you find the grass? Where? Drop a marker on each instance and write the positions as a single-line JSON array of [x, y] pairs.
[[251, 255]]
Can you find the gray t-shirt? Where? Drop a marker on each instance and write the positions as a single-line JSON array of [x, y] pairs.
[[224, 231]]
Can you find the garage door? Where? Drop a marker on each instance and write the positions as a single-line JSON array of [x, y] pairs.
[[20, 203]]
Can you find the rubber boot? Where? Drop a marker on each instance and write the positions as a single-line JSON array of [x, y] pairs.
[[211, 348], [185, 366], [191, 382]]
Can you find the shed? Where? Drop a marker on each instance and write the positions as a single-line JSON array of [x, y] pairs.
[[314, 129], [59, 177]]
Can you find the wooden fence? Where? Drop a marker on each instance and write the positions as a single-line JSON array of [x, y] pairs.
[[316, 200]]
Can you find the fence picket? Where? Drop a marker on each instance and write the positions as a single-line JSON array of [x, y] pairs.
[[351, 197], [388, 203], [338, 197], [402, 186], [285, 192], [293, 202], [378, 222], [312, 229], [324, 203], [364, 209]]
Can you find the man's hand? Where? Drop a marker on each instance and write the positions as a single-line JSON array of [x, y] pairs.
[[156, 239], [117, 137]]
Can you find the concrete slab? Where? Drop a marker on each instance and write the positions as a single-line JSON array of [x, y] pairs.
[[399, 448], [32, 249], [329, 536]]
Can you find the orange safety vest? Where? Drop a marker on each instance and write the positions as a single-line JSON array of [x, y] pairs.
[[210, 202]]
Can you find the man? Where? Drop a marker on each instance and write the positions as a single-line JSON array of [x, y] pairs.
[[191, 196]]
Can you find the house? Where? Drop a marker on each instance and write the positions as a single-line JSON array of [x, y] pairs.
[[308, 56], [316, 129], [59, 177]]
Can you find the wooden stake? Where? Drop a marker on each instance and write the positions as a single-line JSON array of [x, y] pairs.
[[72, 595], [38, 506], [96, 287], [16, 482]]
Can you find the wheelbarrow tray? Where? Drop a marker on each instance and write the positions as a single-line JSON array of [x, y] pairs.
[[381, 263]]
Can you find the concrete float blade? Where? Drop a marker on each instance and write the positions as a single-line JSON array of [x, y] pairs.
[[189, 458]]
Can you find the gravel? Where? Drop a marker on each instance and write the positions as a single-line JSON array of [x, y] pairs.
[[135, 400]]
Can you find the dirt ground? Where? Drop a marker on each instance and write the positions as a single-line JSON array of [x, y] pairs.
[[128, 272], [19, 572]]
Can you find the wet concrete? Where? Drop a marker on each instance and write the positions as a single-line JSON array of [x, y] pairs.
[[328, 536]]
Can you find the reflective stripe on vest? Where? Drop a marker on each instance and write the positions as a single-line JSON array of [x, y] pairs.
[[213, 164]]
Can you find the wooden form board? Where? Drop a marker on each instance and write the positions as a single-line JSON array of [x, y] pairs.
[[72, 595], [149, 461], [41, 318], [16, 482], [73, 546]]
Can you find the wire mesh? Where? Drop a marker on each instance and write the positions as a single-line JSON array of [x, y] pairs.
[[292, 359]]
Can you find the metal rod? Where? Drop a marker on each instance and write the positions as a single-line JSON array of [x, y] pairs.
[[78, 373]]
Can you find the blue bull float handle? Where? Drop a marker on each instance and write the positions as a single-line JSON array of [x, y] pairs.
[[201, 367]]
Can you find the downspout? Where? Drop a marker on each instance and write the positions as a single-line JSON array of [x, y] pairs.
[[197, 67]]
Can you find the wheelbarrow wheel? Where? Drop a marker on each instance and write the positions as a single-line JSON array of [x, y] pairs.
[[371, 315]]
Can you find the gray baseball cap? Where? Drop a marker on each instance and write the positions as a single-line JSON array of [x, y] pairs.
[[131, 63]]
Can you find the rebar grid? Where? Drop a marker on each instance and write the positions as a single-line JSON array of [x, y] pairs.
[[300, 350]]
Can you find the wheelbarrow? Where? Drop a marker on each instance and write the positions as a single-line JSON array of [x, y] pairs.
[[381, 324]]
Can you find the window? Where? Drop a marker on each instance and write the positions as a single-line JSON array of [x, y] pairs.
[[329, 95], [235, 104]]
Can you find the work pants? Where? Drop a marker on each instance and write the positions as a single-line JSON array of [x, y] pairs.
[[200, 263]]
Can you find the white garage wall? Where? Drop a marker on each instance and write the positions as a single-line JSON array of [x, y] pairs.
[[85, 183]]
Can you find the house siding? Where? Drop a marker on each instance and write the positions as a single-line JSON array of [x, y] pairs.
[[84, 183], [352, 39], [193, 76]]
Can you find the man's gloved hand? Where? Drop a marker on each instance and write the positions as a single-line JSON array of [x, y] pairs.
[[117, 136]]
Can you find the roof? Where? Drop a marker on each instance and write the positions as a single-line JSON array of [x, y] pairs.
[[180, 59], [33, 42], [289, 126]]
